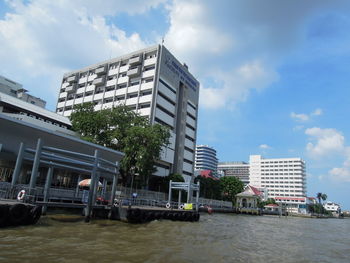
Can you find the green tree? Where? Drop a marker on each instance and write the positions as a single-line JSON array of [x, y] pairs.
[[124, 130], [231, 186], [209, 188]]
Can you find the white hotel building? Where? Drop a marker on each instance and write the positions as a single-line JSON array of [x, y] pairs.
[[153, 83], [284, 179]]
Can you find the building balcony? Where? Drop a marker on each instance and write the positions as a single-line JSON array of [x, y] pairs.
[[135, 60], [92, 77], [71, 88], [123, 68], [134, 71], [99, 81], [149, 73], [150, 61], [100, 70], [82, 80], [113, 72], [73, 78], [111, 82], [63, 95]]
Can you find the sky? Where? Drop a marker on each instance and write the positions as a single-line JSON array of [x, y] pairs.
[[274, 74]]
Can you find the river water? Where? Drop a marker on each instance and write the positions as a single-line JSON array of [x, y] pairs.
[[215, 238]]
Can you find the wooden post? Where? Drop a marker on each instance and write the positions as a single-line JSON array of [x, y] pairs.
[[35, 167], [18, 165], [91, 191], [47, 188]]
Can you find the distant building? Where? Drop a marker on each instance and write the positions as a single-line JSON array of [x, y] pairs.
[[332, 207], [153, 83], [237, 169], [33, 113], [14, 89], [284, 179], [205, 159]]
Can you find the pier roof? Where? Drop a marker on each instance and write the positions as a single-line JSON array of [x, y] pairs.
[[13, 132]]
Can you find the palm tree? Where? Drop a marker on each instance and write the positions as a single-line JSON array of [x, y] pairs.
[[321, 196]]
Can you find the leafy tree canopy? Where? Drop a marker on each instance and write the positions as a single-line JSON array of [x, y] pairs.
[[209, 188], [124, 130], [231, 186]]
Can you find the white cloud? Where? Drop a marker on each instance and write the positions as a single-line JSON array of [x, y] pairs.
[[236, 85], [340, 174], [299, 117], [264, 146], [325, 142], [303, 117], [317, 112], [328, 143]]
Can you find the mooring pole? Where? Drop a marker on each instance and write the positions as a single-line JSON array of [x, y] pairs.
[[18, 165], [96, 186], [114, 186], [35, 167], [47, 188], [197, 196], [169, 196], [179, 201], [77, 188], [91, 191], [189, 192]]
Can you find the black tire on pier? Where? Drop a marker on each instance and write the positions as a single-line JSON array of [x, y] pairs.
[[187, 216], [4, 214], [169, 215], [137, 215], [183, 217], [175, 216], [18, 214], [164, 215], [34, 215], [150, 216], [158, 215], [196, 217]]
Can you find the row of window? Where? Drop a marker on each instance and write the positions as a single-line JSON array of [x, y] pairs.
[[115, 65]]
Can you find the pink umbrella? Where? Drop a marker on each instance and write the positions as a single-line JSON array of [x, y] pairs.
[[87, 182]]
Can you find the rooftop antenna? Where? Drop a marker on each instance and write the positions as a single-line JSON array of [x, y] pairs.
[[162, 40]]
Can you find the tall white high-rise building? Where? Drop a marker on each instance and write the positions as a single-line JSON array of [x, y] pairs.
[[237, 169], [282, 177], [206, 158], [152, 82]]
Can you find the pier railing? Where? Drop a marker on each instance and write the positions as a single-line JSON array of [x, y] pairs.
[[124, 194]]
